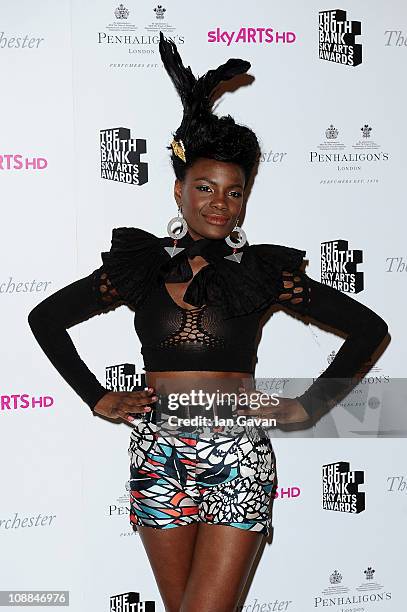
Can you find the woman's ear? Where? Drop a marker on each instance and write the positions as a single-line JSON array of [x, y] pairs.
[[178, 191]]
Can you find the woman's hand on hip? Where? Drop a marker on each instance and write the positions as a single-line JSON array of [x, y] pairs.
[[121, 404], [284, 409]]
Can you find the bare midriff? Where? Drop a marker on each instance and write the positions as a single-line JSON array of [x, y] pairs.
[[208, 381]]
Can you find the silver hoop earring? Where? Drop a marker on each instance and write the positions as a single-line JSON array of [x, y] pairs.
[[236, 243], [180, 224]]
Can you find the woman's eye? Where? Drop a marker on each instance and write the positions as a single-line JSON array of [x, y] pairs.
[[206, 188]]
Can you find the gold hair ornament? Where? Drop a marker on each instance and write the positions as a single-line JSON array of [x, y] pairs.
[[179, 149]]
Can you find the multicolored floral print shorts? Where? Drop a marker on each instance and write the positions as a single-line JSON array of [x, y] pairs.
[[188, 477]]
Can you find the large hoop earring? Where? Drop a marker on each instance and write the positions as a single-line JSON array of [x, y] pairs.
[[176, 221], [236, 244]]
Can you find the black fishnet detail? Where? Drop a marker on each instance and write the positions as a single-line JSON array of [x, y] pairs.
[[295, 285], [103, 288], [192, 330]]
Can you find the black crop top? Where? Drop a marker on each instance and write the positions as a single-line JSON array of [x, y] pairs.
[[174, 338], [227, 300]]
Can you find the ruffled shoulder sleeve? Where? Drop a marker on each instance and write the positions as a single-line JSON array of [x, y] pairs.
[[131, 263], [293, 282], [267, 274], [282, 267]]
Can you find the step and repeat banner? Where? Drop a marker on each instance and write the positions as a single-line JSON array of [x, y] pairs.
[[87, 114]]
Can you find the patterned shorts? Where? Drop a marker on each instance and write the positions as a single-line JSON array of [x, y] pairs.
[[188, 477]]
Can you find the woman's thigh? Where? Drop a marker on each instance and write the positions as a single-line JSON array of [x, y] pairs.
[[170, 552], [163, 507], [222, 559]]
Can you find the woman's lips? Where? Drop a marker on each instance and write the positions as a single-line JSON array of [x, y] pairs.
[[216, 219]]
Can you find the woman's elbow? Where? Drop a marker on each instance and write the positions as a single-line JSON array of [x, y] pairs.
[[378, 329], [36, 317]]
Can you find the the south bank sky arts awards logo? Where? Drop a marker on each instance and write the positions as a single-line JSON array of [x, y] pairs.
[[130, 602], [340, 488], [339, 266], [337, 38], [120, 157], [124, 377], [366, 596]]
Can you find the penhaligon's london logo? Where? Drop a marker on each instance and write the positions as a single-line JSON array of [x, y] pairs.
[[331, 141], [160, 22], [331, 133], [360, 155], [335, 577], [121, 22], [366, 142], [370, 593], [132, 35], [121, 12], [159, 11]]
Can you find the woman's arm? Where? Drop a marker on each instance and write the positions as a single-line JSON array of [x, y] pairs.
[[327, 305], [72, 304]]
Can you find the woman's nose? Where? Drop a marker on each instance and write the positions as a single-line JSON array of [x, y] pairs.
[[219, 202]]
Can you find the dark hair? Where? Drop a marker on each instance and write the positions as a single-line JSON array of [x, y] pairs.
[[203, 133]]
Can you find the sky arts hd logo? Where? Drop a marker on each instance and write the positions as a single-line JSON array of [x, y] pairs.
[[337, 38], [251, 35]]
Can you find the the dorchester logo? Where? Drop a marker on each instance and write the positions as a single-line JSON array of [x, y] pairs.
[[11, 41]]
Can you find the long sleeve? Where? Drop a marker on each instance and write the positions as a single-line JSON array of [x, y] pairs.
[[51, 318], [365, 331]]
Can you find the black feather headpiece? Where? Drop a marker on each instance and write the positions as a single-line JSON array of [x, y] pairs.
[[195, 135]]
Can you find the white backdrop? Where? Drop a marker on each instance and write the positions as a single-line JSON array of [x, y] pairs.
[[69, 72]]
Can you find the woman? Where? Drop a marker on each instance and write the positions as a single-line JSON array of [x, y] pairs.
[[199, 296]]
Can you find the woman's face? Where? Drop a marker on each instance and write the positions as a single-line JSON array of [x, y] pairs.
[[211, 197]]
